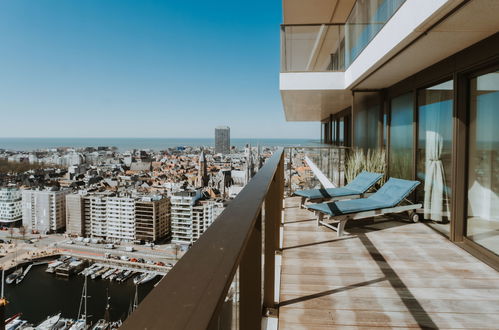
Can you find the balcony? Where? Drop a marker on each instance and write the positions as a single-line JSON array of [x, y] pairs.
[[334, 47], [264, 263], [390, 273]]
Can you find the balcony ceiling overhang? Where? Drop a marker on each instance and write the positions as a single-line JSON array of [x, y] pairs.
[[456, 25], [314, 105], [451, 31], [312, 96], [316, 11]]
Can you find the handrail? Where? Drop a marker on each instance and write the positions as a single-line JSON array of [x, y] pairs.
[[192, 293]]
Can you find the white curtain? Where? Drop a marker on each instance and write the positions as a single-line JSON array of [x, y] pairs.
[[434, 187]]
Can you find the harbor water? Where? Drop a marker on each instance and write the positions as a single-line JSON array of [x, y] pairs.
[[41, 294]]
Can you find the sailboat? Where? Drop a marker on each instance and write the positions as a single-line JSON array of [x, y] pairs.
[[103, 324], [135, 302], [81, 322]]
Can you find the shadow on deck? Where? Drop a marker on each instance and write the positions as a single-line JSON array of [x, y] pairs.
[[388, 274]]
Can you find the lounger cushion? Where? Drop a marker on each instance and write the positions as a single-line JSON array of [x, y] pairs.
[[394, 191], [364, 181], [326, 193], [390, 195], [346, 207], [359, 185]]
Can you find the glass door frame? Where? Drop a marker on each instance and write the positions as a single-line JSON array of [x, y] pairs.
[[462, 161]]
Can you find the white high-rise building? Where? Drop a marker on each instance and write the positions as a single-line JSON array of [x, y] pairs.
[[98, 216], [10, 206], [114, 218], [44, 210], [181, 215], [120, 218], [190, 218]]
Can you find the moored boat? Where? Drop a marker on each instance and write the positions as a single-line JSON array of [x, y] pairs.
[[14, 275], [49, 323], [148, 278], [138, 279]]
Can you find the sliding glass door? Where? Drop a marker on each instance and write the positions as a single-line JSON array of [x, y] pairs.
[[434, 163], [483, 162]]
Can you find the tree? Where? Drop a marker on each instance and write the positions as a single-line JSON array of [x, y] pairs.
[[22, 231], [11, 231]]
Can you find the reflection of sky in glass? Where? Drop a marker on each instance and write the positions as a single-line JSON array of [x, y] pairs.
[[401, 122], [443, 110], [487, 109]]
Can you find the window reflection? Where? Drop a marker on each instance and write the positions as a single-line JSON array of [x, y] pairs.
[[483, 172], [401, 137]]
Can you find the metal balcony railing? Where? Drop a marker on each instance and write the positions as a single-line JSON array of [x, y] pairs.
[[221, 282], [227, 279]]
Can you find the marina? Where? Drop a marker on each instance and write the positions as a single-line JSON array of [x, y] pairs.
[[110, 293]]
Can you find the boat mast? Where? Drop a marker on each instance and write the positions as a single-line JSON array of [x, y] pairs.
[[83, 302], [108, 306], [136, 298], [85, 288], [3, 303]]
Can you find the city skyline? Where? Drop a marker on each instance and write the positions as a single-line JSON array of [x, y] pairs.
[[142, 69]]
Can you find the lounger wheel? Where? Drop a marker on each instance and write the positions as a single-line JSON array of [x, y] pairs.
[[414, 216]]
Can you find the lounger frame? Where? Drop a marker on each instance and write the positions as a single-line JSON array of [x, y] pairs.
[[341, 220]]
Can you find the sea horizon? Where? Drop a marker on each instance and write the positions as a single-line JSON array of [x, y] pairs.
[[129, 143]]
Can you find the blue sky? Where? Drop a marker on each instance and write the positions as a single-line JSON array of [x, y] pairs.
[[120, 68]]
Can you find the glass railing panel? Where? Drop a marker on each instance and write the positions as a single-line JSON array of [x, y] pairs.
[[330, 161], [228, 316], [366, 19], [313, 48], [298, 175]]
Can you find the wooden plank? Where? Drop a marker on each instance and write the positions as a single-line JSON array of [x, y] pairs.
[[388, 274]]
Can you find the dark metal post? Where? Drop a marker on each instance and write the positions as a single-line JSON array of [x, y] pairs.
[[250, 281]]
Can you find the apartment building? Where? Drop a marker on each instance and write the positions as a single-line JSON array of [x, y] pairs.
[[75, 215], [417, 78], [97, 216], [44, 210], [10, 207], [118, 218], [152, 219], [191, 216], [203, 216]]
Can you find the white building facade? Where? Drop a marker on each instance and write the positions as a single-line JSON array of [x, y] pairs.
[[10, 207], [115, 218], [191, 217], [43, 210]]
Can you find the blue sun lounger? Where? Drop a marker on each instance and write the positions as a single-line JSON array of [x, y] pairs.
[[388, 199], [355, 189]]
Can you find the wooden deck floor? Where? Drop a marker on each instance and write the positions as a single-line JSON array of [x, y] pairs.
[[391, 274]]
